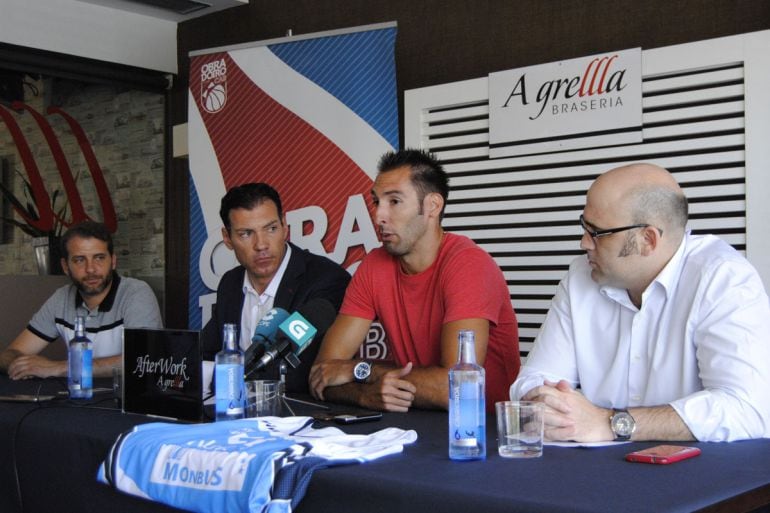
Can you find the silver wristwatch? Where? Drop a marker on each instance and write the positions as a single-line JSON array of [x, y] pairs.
[[362, 371], [622, 424]]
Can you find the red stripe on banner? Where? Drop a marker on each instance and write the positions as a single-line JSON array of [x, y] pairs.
[[255, 138]]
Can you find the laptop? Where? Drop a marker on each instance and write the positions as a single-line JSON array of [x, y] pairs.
[[162, 373]]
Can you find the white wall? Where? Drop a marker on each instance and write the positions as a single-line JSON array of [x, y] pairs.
[[91, 31]]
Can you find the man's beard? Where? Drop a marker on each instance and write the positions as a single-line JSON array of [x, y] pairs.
[[93, 291]]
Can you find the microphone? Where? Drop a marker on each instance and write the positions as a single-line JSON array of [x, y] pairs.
[[264, 334], [297, 332]]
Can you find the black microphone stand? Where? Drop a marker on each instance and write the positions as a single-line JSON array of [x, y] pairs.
[[282, 370]]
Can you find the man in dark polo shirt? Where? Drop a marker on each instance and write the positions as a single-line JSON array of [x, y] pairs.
[[107, 301]]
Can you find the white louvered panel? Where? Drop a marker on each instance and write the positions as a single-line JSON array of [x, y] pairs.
[[717, 206], [467, 111], [700, 143], [528, 290], [460, 126], [528, 332], [533, 304], [497, 175], [504, 233], [694, 128], [519, 204], [446, 142], [519, 276], [526, 318], [564, 144], [488, 220], [525, 347], [597, 154], [544, 260], [520, 190], [526, 335], [582, 171], [715, 190], [466, 153], [720, 173], [688, 97], [650, 85], [718, 223], [553, 161], [538, 247], [699, 111]]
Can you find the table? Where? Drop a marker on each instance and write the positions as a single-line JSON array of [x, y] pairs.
[[58, 446]]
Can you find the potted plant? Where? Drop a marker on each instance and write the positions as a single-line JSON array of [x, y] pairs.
[[45, 242]]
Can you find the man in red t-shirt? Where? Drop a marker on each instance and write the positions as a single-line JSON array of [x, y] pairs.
[[424, 286]]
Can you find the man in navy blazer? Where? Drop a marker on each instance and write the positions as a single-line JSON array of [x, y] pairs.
[[273, 273]]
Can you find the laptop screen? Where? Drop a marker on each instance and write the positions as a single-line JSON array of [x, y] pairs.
[[162, 373]]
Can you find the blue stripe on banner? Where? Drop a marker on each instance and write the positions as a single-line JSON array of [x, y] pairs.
[[358, 69], [197, 239]]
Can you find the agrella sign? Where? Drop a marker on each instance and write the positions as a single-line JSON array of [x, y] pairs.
[[593, 82], [597, 93]]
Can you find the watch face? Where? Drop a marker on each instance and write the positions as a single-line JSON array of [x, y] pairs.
[[361, 371], [623, 424]]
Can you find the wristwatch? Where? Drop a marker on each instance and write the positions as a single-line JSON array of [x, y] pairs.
[[362, 371], [622, 425]]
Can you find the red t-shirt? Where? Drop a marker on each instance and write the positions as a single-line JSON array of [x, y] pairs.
[[463, 283]]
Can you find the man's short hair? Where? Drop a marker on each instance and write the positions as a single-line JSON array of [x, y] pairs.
[[427, 174], [87, 230], [660, 207], [248, 196]]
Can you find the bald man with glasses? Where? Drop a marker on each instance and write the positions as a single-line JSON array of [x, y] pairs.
[[654, 334]]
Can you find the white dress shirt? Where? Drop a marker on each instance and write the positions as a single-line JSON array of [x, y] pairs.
[[700, 342], [256, 305]]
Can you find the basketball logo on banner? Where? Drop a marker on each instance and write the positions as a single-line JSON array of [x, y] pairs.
[[214, 86]]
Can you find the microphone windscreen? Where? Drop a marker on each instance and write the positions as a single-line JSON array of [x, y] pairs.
[[268, 325]]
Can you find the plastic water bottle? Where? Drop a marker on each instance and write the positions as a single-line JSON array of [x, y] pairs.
[[467, 413], [229, 377], [80, 363]]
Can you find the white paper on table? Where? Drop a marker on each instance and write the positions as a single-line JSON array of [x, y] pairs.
[[583, 444]]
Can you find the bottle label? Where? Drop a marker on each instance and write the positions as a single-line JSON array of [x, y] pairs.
[[229, 389], [87, 372], [467, 420], [465, 410]]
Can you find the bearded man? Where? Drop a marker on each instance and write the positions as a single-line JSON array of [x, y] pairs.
[[108, 302]]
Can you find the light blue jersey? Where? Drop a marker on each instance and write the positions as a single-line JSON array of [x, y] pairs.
[[247, 465]]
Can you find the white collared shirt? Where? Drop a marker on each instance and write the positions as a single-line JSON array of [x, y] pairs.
[[256, 305], [700, 342]]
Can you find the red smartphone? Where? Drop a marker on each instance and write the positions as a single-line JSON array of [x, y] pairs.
[[663, 454]]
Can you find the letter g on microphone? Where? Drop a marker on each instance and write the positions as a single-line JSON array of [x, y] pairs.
[[299, 331], [298, 328]]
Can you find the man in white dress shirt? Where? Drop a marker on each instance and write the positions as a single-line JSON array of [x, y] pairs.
[[656, 334]]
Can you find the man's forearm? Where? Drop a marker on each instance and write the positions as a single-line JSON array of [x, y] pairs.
[[432, 387], [659, 423], [103, 366], [7, 356], [349, 393]]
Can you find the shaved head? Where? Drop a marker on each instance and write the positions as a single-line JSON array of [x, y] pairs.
[[642, 194]]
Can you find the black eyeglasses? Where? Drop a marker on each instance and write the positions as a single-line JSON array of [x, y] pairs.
[[595, 234]]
